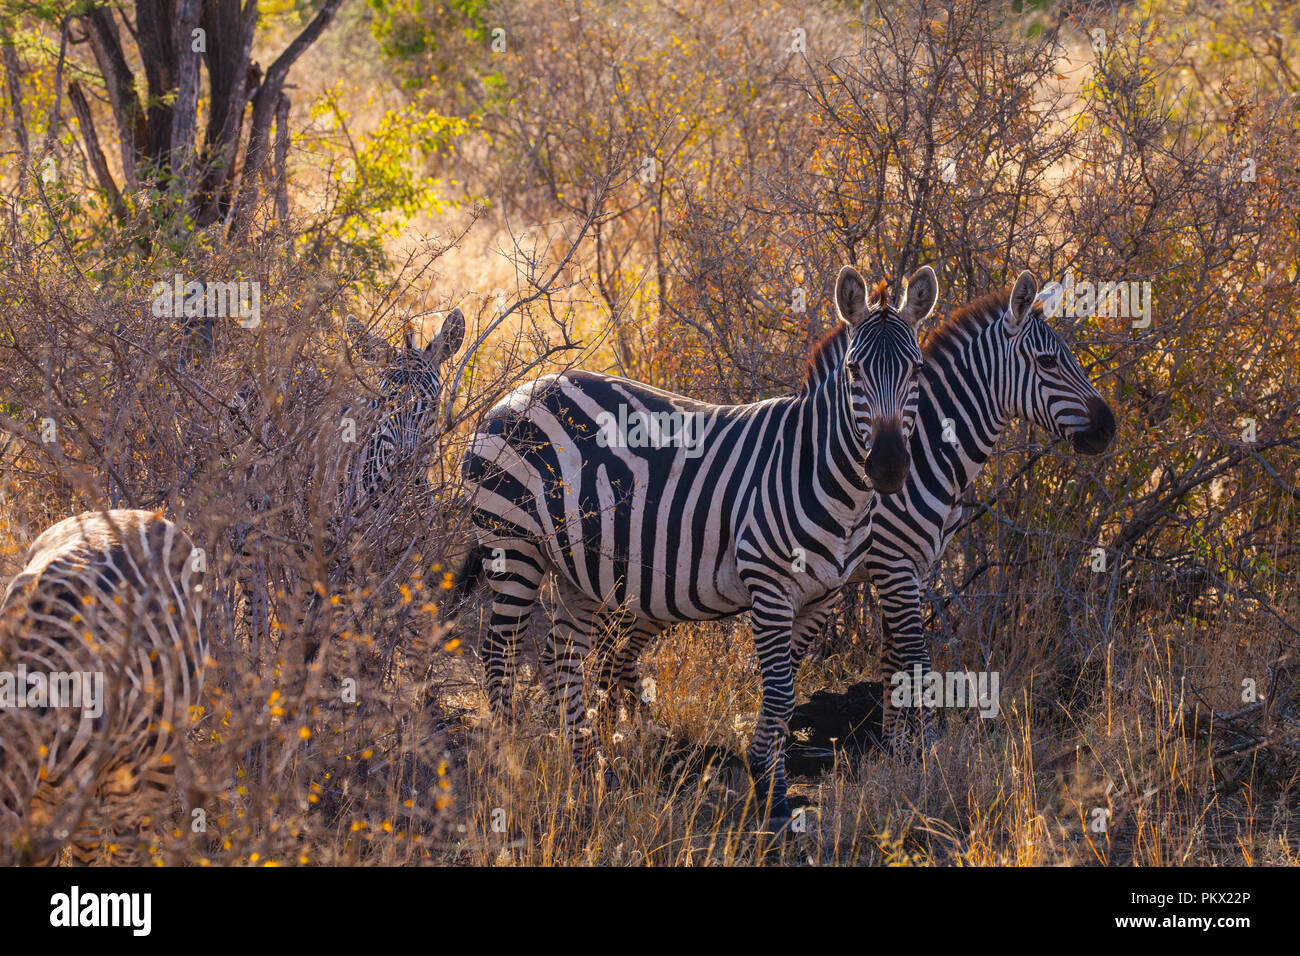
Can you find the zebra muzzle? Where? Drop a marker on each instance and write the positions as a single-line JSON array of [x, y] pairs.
[[889, 461], [1097, 436]]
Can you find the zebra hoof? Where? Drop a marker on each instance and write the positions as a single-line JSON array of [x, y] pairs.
[[778, 814], [778, 824]]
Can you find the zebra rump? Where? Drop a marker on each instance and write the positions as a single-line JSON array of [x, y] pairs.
[[101, 666]]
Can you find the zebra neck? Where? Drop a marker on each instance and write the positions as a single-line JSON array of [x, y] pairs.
[[960, 418], [837, 448]]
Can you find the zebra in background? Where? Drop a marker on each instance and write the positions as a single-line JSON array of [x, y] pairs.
[[398, 421], [991, 362], [654, 505], [115, 595], [405, 412]]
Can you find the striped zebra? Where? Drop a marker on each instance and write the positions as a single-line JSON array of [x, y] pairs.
[[115, 596], [398, 422], [405, 413], [992, 361], [653, 506]]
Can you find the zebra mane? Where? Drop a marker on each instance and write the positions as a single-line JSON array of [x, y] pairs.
[[965, 322], [825, 356], [961, 325]]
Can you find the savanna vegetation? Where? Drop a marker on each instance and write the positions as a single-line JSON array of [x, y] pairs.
[[667, 191]]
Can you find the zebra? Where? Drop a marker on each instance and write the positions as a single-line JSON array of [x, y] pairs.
[[115, 595], [400, 419], [994, 360], [698, 511], [405, 412], [991, 362]]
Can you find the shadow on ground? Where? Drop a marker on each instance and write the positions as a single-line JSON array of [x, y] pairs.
[[848, 722]]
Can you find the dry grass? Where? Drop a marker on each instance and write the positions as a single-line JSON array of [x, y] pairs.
[[1022, 789]]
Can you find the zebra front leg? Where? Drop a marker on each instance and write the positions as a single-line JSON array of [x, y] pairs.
[[810, 625], [773, 626], [907, 728]]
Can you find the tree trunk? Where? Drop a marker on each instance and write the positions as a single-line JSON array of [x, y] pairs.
[[94, 154], [10, 59], [185, 119], [158, 134]]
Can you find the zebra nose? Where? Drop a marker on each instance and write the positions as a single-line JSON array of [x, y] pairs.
[[1096, 437], [888, 462]]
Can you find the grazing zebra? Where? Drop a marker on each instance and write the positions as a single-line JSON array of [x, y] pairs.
[[991, 362], [114, 596], [666, 509]]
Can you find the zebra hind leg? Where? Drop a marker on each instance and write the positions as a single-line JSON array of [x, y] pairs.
[[620, 673], [130, 812], [514, 571], [569, 643]]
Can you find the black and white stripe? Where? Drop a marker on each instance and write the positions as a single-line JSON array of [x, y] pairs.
[[399, 425], [764, 513], [994, 361], [116, 594]]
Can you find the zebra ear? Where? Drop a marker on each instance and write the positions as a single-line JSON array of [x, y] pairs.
[[851, 296], [1021, 302], [408, 339], [448, 341], [919, 297]]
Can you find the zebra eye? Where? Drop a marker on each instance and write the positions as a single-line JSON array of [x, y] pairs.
[[1047, 360]]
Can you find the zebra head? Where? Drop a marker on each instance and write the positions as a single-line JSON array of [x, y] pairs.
[[883, 364], [1047, 385], [409, 399], [412, 384]]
